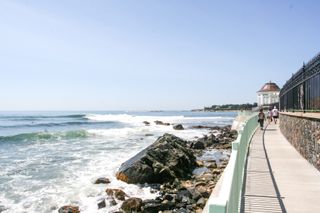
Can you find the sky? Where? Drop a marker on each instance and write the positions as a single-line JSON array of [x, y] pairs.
[[149, 54]]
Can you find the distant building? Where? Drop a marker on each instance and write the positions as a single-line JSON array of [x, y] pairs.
[[268, 94]]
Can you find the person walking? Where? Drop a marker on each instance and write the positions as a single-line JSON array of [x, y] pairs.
[[269, 117], [261, 118], [275, 114]]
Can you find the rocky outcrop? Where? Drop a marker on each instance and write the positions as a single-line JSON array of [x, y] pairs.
[[69, 209], [185, 195], [178, 127], [166, 159]]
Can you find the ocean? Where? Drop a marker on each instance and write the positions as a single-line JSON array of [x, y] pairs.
[[50, 159]]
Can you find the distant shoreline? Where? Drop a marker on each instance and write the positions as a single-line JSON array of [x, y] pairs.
[[218, 110]]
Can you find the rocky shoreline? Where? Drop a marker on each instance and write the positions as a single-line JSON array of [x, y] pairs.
[[181, 173]]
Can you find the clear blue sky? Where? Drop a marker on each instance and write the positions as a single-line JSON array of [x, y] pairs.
[[149, 54]]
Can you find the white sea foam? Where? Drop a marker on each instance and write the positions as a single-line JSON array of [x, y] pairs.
[[126, 118]]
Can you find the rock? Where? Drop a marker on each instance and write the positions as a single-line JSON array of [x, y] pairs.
[[216, 171], [168, 197], [212, 165], [200, 127], [102, 204], [113, 202], [69, 209], [178, 127], [182, 210], [117, 193], [198, 145], [2, 208], [148, 135], [184, 196], [146, 123], [154, 206], [161, 123], [163, 161], [199, 210], [186, 184], [132, 205], [194, 193], [201, 202], [102, 180], [200, 163], [203, 191]]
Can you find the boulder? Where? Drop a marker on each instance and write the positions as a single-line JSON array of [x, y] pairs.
[[117, 193], [69, 209], [163, 161], [178, 127], [102, 180], [132, 205]]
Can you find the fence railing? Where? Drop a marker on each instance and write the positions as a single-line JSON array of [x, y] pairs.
[[229, 198], [302, 91]]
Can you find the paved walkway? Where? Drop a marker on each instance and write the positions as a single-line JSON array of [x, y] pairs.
[[278, 178]]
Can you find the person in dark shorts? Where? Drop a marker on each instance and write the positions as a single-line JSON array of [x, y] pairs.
[[261, 118], [275, 114]]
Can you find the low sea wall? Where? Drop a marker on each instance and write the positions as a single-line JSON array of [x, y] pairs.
[[302, 130]]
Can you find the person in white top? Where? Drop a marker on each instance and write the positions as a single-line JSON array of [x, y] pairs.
[[275, 114]]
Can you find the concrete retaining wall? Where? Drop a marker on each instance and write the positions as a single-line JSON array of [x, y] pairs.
[[303, 132]]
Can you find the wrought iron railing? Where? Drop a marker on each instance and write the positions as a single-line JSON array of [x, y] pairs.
[[302, 91]]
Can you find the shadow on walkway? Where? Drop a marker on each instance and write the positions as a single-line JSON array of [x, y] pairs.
[[260, 191]]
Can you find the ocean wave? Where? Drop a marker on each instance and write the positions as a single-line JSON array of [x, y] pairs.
[[126, 118], [45, 136], [38, 117], [71, 123]]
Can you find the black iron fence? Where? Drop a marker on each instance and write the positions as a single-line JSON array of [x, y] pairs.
[[302, 91]]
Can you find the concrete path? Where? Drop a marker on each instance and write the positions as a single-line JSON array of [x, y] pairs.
[[278, 178]]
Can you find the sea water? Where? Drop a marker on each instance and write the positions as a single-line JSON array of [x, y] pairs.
[[50, 159]]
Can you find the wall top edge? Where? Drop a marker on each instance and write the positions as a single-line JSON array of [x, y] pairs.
[[308, 115]]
